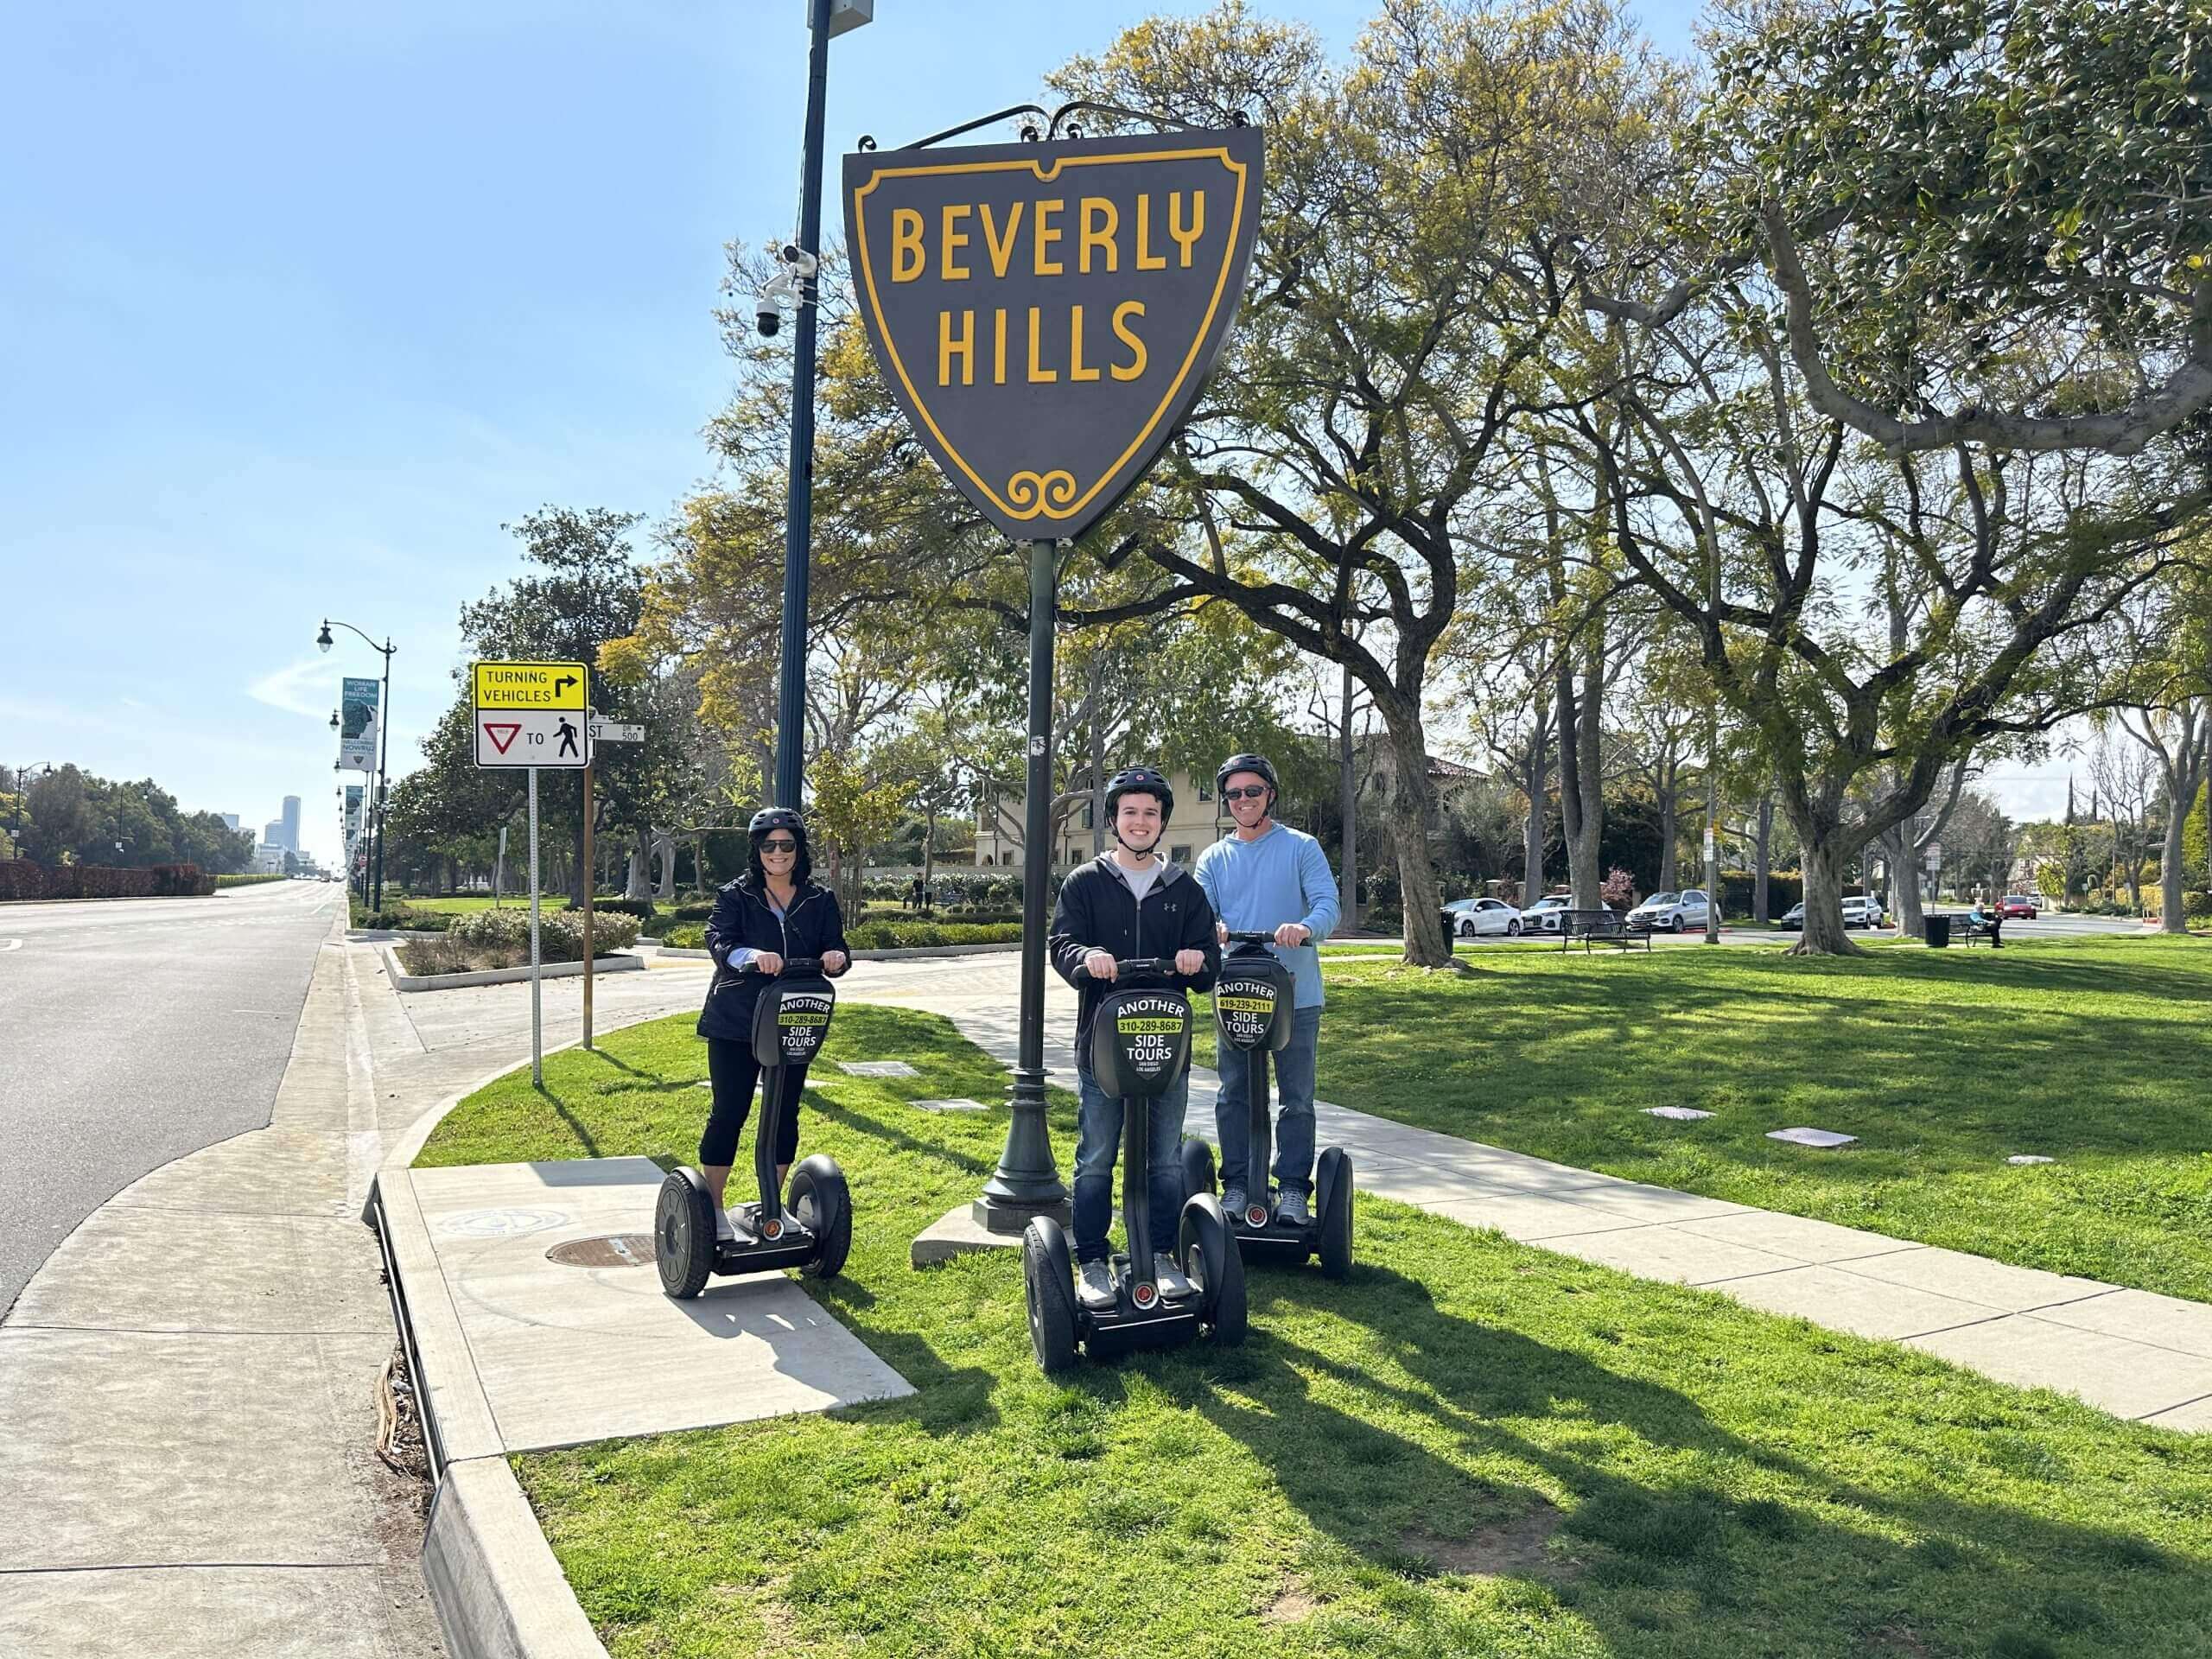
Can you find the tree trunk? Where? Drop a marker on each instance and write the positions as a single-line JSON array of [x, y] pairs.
[[1669, 831], [1581, 783], [2171, 877], [1410, 801], [640, 854], [1348, 804], [1824, 934], [665, 847], [1760, 909], [1532, 832], [929, 850]]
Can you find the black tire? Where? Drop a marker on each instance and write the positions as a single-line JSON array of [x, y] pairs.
[[823, 1204], [1050, 1285], [683, 1234], [1513, 928], [1207, 1250], [1334, 1187], [1198, 1169]]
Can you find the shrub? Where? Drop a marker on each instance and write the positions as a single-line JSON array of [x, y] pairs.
[[1617, 891], [2196, 907], [693, 912], [402, 919], [641, 908], [559, 933], [685, 935], [911, 936], [245, 879]]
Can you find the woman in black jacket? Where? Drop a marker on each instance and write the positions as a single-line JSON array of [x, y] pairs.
[[770, 914]]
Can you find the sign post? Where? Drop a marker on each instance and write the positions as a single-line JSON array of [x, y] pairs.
[[603, 731], [534, 715], [1045, 313]]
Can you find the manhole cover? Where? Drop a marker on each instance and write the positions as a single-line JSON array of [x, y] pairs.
[[608, 1250]]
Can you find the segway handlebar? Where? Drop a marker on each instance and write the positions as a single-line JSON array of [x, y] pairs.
[[797, 965], [1237, 937]]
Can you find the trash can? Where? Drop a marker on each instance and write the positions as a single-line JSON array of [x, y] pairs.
[[1939, 931]]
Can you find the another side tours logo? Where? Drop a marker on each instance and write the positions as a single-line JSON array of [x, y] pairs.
[[1046, 313]]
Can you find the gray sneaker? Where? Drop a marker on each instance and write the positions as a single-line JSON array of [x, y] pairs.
[[1173, 1286], [1290, 1211], [1232, 1202], [1094, 1285]]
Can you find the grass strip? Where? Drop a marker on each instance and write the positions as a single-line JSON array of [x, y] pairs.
[[1470, 1448]]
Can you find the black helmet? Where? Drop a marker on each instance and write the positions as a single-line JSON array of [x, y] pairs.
[[776, 817], [1139, 780], [1237, 763]]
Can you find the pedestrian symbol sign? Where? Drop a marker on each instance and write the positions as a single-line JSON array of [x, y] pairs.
[[532, 714]]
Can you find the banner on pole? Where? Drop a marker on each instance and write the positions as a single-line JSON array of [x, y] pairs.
[[358, 716], [1046, 313]]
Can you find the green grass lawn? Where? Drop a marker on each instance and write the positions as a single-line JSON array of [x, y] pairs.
[[1471, 1447], [2097, 1053]]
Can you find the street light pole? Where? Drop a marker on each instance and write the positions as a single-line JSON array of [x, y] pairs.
[[384, 739], [798, 526]]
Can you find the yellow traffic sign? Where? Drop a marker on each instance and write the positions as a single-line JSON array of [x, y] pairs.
[[532, 685]]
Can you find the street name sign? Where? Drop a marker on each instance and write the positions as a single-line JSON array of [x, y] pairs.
[[532, 714], [1046, 313], [615, 731]]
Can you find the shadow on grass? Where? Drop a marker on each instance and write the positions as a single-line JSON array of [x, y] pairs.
[[576, 1126], [1751, 1546]]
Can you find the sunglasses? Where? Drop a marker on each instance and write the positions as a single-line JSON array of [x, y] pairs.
[[1252, 792], [779, 846]]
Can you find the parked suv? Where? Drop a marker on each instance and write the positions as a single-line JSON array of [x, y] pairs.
[[1671, 910]]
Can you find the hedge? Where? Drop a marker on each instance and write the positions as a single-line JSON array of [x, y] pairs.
[[21, 879], [560, 932], [913, 936], [247, 878]]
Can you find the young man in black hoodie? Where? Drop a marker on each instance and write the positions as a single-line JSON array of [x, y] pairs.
[[1130, 902]]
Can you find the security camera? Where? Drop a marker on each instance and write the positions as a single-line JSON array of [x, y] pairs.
[[768, 317]]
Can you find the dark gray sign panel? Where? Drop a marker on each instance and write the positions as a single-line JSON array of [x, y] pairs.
[[1047, 314]]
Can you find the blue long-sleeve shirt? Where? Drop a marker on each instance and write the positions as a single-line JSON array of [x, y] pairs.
[[1256, 886]]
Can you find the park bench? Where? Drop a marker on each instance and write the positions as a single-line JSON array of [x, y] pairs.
[[1605, 927], [1967, 930]]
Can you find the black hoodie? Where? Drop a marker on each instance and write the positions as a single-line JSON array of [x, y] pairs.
[[1097, 911]]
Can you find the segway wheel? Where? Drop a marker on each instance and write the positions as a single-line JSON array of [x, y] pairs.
[[1049, 1282], [683, 1234], [1209, 1253], [1334, 1182], [1197, 1168], [823, 1205]]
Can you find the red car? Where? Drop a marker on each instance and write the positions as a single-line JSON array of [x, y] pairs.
[[2016, 906]]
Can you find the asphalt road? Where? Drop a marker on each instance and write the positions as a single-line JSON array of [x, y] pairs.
[[132, 1032]]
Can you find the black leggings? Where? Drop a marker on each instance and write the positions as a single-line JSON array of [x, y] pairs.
[[733, 1071]]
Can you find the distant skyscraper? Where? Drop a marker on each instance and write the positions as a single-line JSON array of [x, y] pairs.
[[272, 834], [291, 822]]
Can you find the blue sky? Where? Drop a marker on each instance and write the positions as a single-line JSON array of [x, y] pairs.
[[299, 304]]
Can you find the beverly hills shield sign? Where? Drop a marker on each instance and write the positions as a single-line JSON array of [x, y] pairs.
[[1046, 313]]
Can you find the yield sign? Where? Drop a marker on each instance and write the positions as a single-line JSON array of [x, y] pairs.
[[502, 732]]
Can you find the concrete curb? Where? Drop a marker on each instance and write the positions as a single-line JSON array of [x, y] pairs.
[[403, 980], [498, 1591]]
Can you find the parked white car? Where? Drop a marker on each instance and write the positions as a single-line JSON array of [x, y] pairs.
[[1543, 916], [1670, 911], [1860, 910], [1469, 918]]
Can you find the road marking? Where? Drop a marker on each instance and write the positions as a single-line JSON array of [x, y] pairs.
[[6, 945]]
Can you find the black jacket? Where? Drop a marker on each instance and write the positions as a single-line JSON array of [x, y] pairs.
[[1097, 912], [812, 927]]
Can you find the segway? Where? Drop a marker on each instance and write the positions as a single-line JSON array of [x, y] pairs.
[[1253, 1011], [1140, 1047], [813, 1229]]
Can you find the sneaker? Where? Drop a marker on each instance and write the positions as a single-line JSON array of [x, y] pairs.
[[1173, 1286], [1232, 1202], [726, 1229], [1290, 1211], [1094, 1285]]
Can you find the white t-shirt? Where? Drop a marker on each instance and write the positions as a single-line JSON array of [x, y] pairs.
[[1140, 881]]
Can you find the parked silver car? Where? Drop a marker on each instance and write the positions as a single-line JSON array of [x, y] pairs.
[[1670, 911], [1544, 916]]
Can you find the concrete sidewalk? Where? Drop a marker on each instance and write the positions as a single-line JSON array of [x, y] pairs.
[[188, 1383], [2131, 1352]]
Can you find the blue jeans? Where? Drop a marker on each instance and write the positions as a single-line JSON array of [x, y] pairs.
[[1098, 1142], [1294, 1071]]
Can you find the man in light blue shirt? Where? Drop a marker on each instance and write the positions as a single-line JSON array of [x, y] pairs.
[[1268, 878]]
